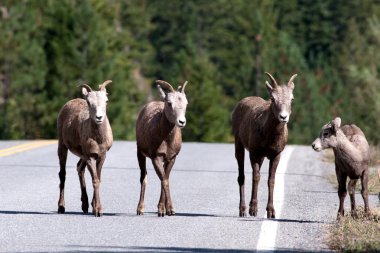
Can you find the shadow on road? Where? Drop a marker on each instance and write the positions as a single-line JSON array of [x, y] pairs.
[[55, 213], [23, 212], [187, 214], [10, 212], [112, 249], [285, 220]]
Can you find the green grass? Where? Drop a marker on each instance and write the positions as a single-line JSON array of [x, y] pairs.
[[362, 234]]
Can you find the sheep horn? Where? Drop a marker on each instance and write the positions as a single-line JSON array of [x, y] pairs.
[[103, 85], [165, 85], [182, 88], [272, 78], [291, 79], [88, 88]]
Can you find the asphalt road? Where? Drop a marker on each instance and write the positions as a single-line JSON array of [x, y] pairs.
[[204, 191]]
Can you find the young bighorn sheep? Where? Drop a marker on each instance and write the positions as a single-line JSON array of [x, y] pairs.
[[261, 127], [84, 129], [159, 137], [352, 157]]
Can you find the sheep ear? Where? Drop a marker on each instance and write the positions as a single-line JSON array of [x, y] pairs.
[[162, 92], [84, 92], [85, 89], [335, 124]]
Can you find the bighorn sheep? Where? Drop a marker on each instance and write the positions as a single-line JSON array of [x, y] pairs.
[[352, 157], [84, 129], [159, 137], [261, 127]]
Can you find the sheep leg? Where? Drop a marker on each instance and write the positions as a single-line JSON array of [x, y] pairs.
[[99, 166], [143, 180], [351, 191], [168, 165], [158, 167], [96, 206], [62, 154], [256, 163], [162, 200], [364, 182], [342, 192], [239, 155], [271, 214], [81, 166]]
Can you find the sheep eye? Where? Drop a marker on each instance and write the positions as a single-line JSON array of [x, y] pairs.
[[325, 134], [170, 104]]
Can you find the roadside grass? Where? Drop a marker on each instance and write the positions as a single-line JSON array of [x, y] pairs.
[[362, 234], [356, 235]]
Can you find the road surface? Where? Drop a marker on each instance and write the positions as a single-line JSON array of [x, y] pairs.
[[205, 194]]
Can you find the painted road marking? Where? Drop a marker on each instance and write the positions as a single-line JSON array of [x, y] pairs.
[[26, 146], [268, 232]]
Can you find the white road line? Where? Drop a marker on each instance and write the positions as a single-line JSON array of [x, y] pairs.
[[268, 232]]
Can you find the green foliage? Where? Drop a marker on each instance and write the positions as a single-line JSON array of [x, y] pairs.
[[221, 47], [23, 70], [207, 114]]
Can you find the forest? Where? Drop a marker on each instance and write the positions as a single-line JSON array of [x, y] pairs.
[[221, 47]]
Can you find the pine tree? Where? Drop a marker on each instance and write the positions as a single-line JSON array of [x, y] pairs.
[[22, 69]]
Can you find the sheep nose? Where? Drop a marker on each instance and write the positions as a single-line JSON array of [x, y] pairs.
[[283, 116], [313, 145], [99, 117], [182, 122]]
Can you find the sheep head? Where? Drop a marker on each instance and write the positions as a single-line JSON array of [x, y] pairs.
[[96, 101], [281, 97], [175, 102], [327, 137]]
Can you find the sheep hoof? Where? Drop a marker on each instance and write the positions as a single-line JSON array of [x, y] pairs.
[[242, 214], [61, 209], [340, 216], [368, 215], [98, 214], [253, 212], [161, 214], [271, 215], [354, 214], [140, 209], [170, 212]]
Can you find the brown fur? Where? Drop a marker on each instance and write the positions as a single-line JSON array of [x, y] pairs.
[[257, 128], [352, 158], [159, 139], [78, 133]]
